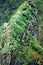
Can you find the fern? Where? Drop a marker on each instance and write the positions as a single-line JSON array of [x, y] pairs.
[[17, 26]]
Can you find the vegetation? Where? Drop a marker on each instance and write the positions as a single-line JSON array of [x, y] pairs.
[[7, 8], [40, 18], [18, 38]]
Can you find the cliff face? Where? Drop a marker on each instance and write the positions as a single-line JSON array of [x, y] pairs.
[[19, 37]]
